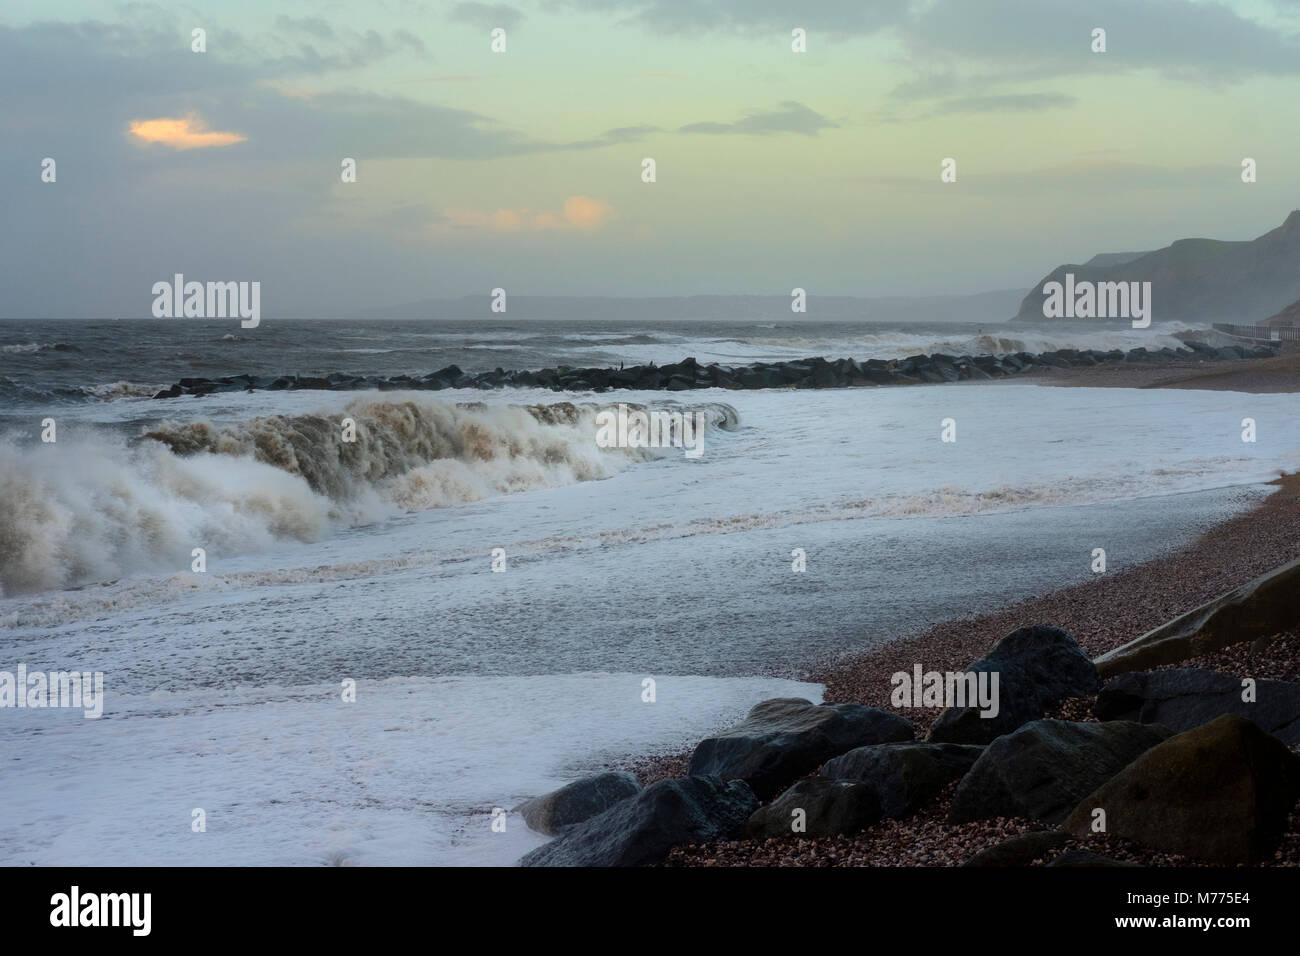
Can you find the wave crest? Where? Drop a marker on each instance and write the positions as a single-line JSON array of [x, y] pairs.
[[92, 509]]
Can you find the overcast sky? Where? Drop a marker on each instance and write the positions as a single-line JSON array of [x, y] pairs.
[[523, 169]]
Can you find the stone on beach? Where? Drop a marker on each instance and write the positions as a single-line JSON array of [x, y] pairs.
[[1220, 793], [829, 808], [904, 776], [577, 801], [785, 738], [1038, 668], [642, 829], [1259, 608], [1187, 697], [1042, 770]]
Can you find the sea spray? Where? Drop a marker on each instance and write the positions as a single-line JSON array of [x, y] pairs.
[[93, 508]]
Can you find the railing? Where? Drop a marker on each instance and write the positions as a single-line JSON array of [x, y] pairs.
[[1260, 333]]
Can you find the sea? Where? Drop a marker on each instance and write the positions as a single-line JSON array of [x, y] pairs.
[[321, 652]]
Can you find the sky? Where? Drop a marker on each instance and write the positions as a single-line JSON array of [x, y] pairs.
[[522, 169]]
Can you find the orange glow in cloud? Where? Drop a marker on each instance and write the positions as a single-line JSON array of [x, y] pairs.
[[580, 212], [186, 132], [584, 213]]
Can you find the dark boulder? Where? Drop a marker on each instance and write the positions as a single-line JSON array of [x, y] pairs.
[[644, 828], [1038, 667], [1220, 793], [783, 739], [552, 812], [829, 808], [1044, 769], [904, 776], [1259, 608], [1187, 697]]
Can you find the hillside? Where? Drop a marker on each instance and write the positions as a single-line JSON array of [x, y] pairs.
[[1288, 316], [1199, 280]]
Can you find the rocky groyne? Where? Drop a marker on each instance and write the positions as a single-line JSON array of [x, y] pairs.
[[690, 374]]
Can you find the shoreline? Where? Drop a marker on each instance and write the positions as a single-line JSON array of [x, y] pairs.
[[1275, 375], [1102, 614]]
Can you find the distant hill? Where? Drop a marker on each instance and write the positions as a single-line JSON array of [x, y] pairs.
[[1288, 316], [1103, 259], [1198, 280]]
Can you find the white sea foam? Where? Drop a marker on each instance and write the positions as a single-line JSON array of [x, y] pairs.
[[290, 776], [792, 342], [91, 508]]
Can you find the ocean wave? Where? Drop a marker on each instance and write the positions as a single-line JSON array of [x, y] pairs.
[[1003, 340], [113, 391], [20, 348], [24, 393], [93, 508]]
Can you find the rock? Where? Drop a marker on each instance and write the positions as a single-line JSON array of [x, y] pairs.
[[1042, 770], [1264, 606], [1187, 697], [1038, 667], [785, 738], [577, 801], [1086, 858], [823, 378], [814, 372], [903, 776], [831, 807], [642, 829], [1220, 793], [1021, 850]]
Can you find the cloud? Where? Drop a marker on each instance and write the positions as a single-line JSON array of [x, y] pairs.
[[1098, 175], [96, 77], [842, 17], [487, 16], [184, 132], [1006, 103], [580, 213], [314, 26], [628, 134], [353, 52], [1183, 40], [792, 117]]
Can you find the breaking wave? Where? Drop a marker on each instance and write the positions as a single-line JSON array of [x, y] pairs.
[[1000, 340], [19, 348], [93, 509]]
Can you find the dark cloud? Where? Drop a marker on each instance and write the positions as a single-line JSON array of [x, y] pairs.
[[628, 134], [1005, 103], [1094, 176], [313, 26], [487, 16], [791, 117], [1182, 39], [833, 17]]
